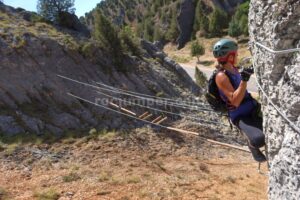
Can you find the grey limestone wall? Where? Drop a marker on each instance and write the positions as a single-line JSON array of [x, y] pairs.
[[276, 24]]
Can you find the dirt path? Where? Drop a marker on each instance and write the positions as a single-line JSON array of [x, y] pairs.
[[207, 63], [142, 165]]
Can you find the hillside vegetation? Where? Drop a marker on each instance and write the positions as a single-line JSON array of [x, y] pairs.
[[157, 20]]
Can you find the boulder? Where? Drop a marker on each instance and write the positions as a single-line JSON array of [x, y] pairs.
[[65, 121], [9, 126], [34, 125], [153, 50], [71, 21], [26, 15]]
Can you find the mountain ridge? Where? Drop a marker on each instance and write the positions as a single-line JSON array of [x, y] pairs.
[[152, 19]]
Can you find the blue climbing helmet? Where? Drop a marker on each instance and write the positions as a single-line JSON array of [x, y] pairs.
[[224, 48]]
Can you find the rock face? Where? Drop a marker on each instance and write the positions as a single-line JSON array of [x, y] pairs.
[[186, 16], [276, 24], [71, 21], [185, 22], [34, 99], [228, 5], [155, 52]]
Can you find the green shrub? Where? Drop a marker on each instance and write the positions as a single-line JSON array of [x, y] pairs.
[[38, 18], [160, 94], [87, 49], [197, 49], [71, 177], [50, 194], [19, 42], [130, 42]]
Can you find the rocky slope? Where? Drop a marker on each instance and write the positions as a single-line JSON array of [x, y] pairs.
[[144, 164], [276, 25], [33, 99]]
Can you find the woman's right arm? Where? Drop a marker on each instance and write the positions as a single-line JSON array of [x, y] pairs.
[[234, 96]]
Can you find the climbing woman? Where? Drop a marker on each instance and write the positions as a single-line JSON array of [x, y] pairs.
[[243, 110]]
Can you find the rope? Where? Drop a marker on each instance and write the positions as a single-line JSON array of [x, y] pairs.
[[161, 126], [297, 129], [163, 111], [140, 96], [194, 108], [145, 95], [278, 51]]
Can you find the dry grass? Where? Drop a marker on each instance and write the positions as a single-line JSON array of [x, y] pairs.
[[14, 26], [3, 194], [183, 55], [50, 194], [72, 176], [115, 171], [11, 148]]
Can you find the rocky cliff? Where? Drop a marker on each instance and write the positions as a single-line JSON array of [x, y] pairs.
[[276, 24], [185, 22], [227, 5], [33, 99]]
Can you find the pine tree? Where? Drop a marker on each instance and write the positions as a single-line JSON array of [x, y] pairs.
[[148, 30], [129, 41], [50, 9], [158, 36], [107, 35], [201, 22], [198, 15], [234, 29], [243, 24], [173, 32], [218, 21], [204, 24], [239, 22]]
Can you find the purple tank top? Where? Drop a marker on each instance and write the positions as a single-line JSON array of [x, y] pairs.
[[247, 105]]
